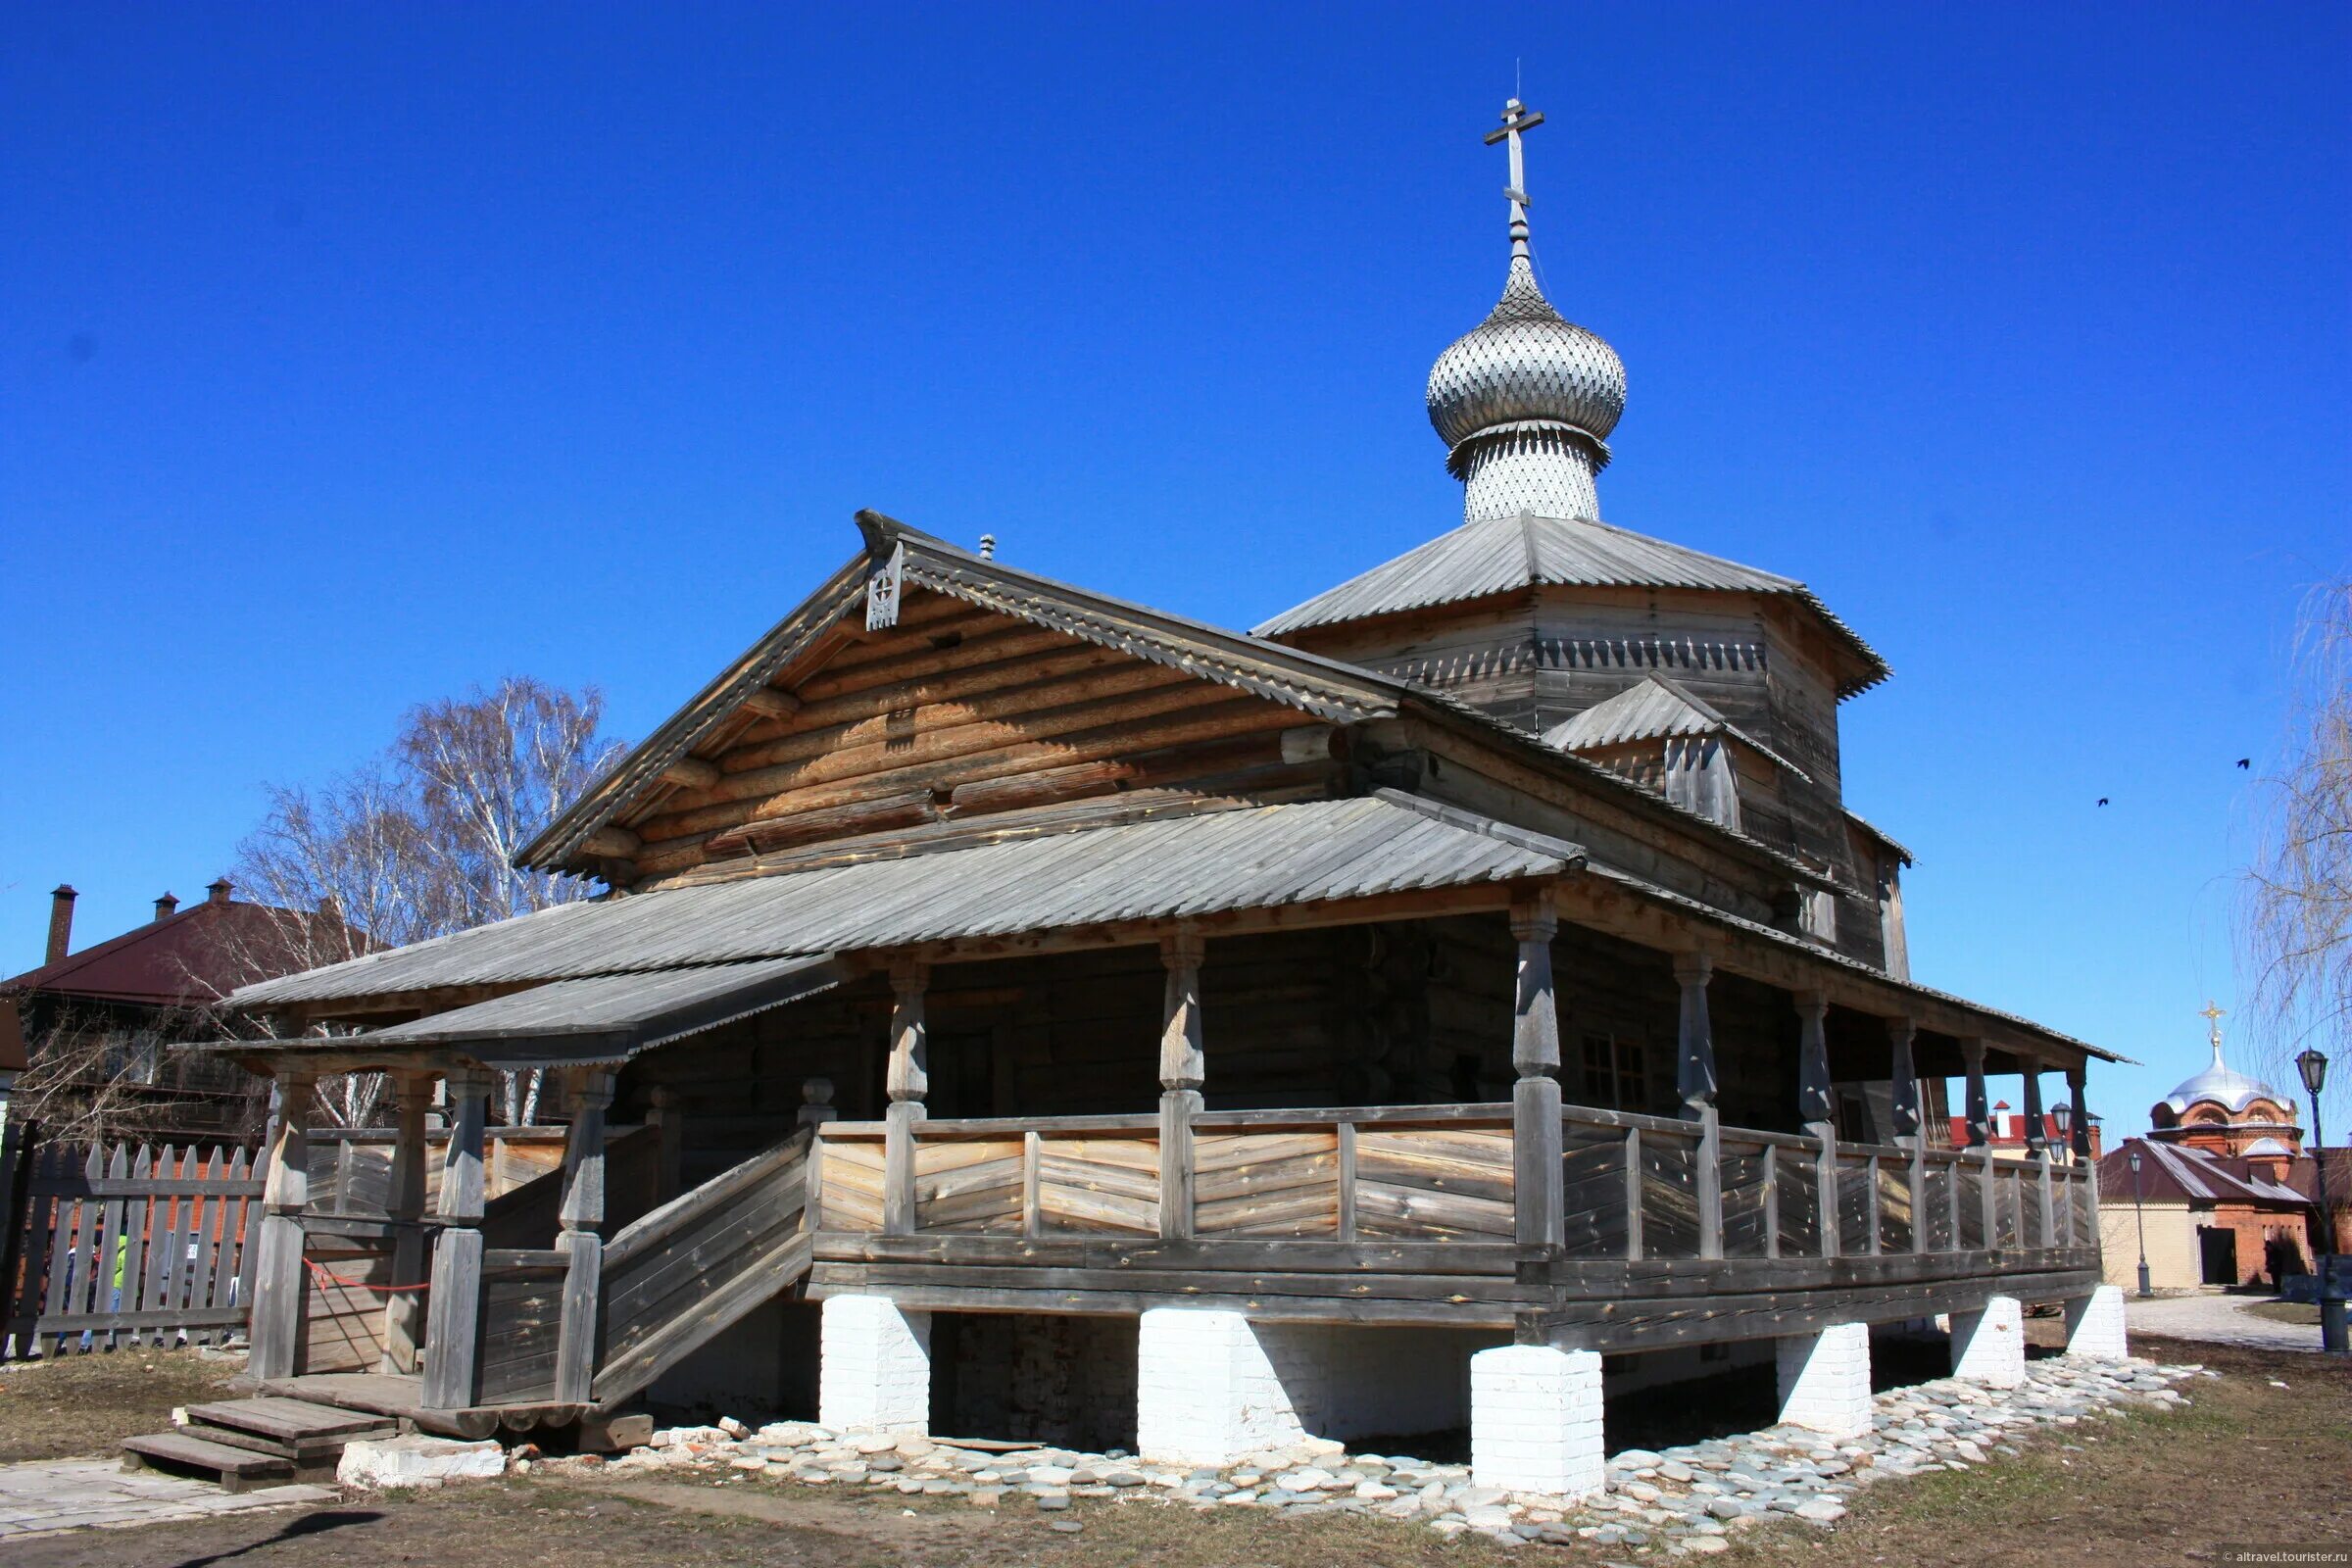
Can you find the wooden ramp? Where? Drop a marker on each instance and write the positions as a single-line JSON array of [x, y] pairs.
[[270, 1440]]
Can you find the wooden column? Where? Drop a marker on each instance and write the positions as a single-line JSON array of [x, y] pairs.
[[404, 1308], [1980, 1104], [1537, 1176], [2038, 1149], [2078, 1132], [1694, 1078], [1183, 1069], [454, 1317], [816, 1109], [1902, 1071], [908, 1080], [280, 1288], [1816, 1108], [583, 1214]]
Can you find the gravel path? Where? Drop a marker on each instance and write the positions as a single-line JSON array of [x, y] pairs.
[[2221, 1319]]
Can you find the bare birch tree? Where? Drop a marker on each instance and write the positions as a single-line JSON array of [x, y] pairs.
[[419, 842], [2296, 917]]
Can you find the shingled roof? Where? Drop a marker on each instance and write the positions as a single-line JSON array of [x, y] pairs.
[[1504, 554]]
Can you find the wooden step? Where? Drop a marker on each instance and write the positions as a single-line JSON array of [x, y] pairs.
[[310, 1453], [235, 1468], [296, 1422]]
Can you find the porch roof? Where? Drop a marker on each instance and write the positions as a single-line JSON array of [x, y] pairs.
[[1265, 857]]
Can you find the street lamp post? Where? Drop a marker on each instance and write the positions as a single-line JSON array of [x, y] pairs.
[[2062, 1115], [2139, 1212], [2314, 1068]]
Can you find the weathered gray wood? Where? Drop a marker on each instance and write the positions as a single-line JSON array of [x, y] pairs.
[[404, 1204], [1537, 1174], [1980, 1104], [1346, 1177], [1636, 1326], [1694, 1035], [1772, 1201], [1635, 1240], [278, 1283], [1032, 1163], [453, 1326], [1709, 1183], [575, 1349]]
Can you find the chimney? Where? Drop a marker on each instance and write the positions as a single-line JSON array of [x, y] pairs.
[[61, 921], [216, 890], [166, 906]]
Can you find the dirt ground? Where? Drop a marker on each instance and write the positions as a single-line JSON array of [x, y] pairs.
[[2287, 1311], [2134, 1489], [85, 1404]]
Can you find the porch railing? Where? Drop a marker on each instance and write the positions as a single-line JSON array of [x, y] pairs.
[[1636, 1188]]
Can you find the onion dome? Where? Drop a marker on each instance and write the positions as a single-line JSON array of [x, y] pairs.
[[1525, 365], [2223, 1085], [1525, 400]]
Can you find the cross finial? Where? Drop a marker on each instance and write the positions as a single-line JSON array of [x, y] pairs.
[[2213, 1016], [1517, 117]]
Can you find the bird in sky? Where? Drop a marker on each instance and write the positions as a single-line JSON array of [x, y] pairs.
[[2245, 762], [2102, 800]]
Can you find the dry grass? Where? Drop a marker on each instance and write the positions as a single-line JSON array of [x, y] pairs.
[[2248, 1461], [85, 1404]]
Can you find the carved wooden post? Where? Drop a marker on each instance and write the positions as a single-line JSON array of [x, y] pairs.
[[1695, 1077], [1979, 1138], [453, 1318], [1979, 1110], [278, 1283], [583, 1212], [1903, 1072], [1815, 1108], [1537, 1176], [2038, 1149], [816, 1109], [404, 1325], [667, 1118], [1183, 1069], [2086, 1188], [909, 1079]]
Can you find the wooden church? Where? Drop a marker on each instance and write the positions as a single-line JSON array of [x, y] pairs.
[[1461, 995]]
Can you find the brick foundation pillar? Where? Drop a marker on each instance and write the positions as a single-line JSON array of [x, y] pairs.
[[874, 1367], [1206, 1391], [1535, 1420], [2094, 1325], [1989, 1346], [1824, 1380]]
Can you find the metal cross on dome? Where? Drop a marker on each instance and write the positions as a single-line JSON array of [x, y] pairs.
[[1517, 118], [2213, 1016]]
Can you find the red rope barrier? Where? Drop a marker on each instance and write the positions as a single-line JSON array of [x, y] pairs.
[[325, 1277]]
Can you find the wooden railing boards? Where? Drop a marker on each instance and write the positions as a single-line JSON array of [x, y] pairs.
[[677, 1277]]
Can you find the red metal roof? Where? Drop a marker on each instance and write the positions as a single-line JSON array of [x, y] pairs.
[[190, 958], [2180, 1172]]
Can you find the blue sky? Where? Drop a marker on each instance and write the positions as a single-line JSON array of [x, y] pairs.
[[350, 356]]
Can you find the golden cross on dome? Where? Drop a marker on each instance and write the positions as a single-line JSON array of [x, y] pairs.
[[2213, 1015]]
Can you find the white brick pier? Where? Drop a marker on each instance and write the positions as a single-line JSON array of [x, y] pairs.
[[874, 1372], [1535, 1420], [1989, 1346], [1206, 1390], [1824, 1380], [2094, 1325]]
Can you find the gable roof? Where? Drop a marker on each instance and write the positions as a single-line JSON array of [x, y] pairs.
[[899, 555], [2182, 1172], [189, 959], [1654, 707], [1502, 553], [1307, 852]]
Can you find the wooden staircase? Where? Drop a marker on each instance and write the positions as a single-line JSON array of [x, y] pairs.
[[265, 1441], [680, 1276]]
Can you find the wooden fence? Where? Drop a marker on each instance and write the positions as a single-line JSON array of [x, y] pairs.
[[119, 1244]]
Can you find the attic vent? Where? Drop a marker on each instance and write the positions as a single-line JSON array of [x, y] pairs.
[[948, 639]]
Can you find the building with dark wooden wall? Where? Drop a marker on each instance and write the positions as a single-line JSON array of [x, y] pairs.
[[1472, 973]]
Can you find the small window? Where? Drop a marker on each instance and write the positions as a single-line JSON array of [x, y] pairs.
[[1616, 1072]]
